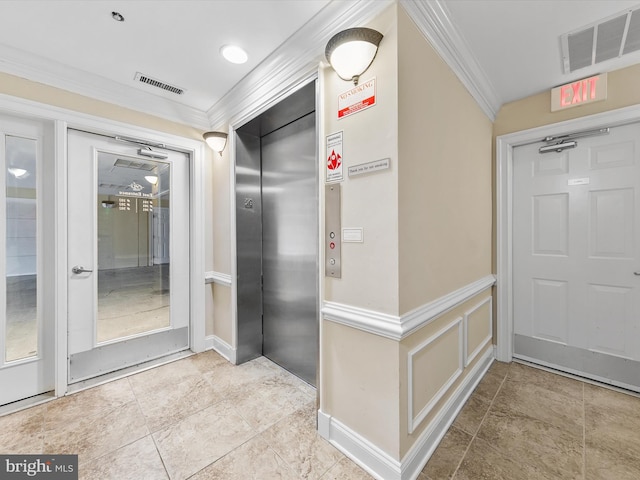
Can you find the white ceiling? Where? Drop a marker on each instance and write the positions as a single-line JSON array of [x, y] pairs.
[[76, 45]]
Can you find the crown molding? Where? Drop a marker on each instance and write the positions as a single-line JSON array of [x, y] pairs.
[[42, 70], [434, 22], [293, 63]]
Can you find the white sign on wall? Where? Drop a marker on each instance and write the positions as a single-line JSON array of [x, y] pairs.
[[334, 158], [359, 98]]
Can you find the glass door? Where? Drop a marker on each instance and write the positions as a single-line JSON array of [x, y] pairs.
[[128, 254], [26, 333]]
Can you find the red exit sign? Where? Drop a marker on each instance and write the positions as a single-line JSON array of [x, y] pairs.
[[577, 93]]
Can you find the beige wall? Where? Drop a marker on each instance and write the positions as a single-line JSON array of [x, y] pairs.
[[535, 111], [370, 269], [444, 176]]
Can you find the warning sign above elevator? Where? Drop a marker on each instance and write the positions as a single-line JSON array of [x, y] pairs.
[[359, 98]]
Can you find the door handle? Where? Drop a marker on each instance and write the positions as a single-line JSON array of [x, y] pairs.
[[80, 269], [637, 273]]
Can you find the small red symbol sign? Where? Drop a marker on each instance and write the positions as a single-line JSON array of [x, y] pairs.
[[332, 245], [334, 160]]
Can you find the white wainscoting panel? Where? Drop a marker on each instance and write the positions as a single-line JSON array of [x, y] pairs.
[[434, 345], [475, 320]]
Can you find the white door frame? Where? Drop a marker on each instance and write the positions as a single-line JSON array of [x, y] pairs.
[[504, 202], [62, 119]]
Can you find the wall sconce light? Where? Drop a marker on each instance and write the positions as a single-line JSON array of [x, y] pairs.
[[152, 179], [216, 140], [352, 51], [18, 172]]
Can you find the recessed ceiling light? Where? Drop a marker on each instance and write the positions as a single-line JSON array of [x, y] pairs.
[[117, 16], [234, 54]]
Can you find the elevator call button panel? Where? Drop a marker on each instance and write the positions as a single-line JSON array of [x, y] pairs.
[[332, 226]]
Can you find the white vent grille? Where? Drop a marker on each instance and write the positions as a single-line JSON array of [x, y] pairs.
[[140, 77], [609, 38], [120, 162]]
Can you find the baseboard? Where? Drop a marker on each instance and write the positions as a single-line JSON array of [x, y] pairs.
[[223, 348], [380, 464], [370, 458]]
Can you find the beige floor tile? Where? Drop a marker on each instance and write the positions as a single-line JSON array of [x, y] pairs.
[[95, 436], [472, 413], [269, 400], [482, 462], [23, 431], [612, 421], [533, 442], [163, 378], [207, 361], [177, 403], [345, 469], [605, 464], [138, 460], [489, 385], [252, 461], [227, 378], [98, 400], [551, 381], [448, 455], [199, 440], [556, 408], [296, 440], [500, 368]]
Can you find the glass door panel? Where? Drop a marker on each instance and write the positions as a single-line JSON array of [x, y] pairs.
[[21, 252], [133, 282]]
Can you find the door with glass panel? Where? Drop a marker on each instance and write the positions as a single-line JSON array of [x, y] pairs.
[[26, 323], [128, 260]]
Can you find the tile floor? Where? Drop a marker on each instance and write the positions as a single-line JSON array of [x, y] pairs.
[[201, 418], [522, 423]]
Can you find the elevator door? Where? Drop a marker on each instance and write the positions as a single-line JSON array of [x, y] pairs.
[[290, 247]]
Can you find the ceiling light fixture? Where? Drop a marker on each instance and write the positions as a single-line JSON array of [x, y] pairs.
[[352, 51], [17, 172], [152, 179], [117, 16], [234, 54], [216, 140]]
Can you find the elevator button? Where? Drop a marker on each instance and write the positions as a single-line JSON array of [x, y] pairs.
[[332, 235], [332, 245], [332, 261]]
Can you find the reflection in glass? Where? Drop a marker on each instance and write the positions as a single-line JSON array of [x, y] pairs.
[[133, 246], [21, 223]]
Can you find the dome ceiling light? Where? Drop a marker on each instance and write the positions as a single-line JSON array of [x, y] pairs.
[[352, 51]]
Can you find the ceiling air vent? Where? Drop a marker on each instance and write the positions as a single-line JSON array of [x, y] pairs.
[[609, 38], [140, 77]]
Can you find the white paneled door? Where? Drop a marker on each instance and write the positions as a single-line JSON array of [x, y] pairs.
[[26, 262], [124, 307], [576, 256]]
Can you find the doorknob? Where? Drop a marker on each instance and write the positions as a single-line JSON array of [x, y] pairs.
[[80, 269]]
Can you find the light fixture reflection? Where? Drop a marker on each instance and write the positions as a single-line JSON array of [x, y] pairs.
[[352, 51], [216, 140], [152, 179], [18, 172]]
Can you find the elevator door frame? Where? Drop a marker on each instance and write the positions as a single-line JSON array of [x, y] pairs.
[[239, 354]]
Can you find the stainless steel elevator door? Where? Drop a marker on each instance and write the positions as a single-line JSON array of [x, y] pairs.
[[290, 247]]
